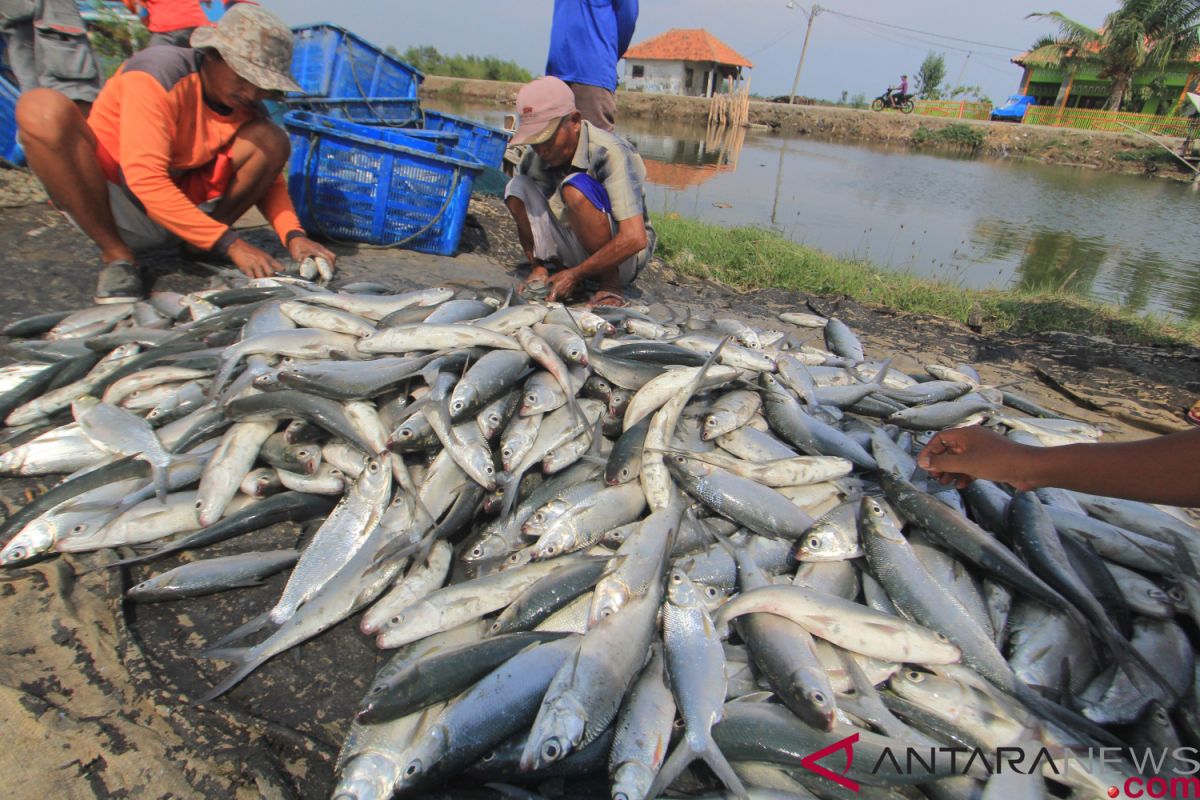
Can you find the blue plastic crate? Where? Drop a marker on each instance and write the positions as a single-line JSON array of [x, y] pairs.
[[10, 151], [399, 111], [378, 185], [328, 61], [484, 142]]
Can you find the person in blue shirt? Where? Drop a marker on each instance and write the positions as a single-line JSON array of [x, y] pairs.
[[587, 39]]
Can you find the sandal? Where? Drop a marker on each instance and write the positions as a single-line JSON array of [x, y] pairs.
[[607, 298]]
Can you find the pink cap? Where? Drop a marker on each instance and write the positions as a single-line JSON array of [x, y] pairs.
[[542, 104]]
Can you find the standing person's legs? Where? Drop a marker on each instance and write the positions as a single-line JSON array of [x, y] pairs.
[[176, 38], [63, 55], [597, 105], [18, 51]]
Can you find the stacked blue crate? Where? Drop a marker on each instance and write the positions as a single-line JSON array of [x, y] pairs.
[[10, 151], [367, 163]]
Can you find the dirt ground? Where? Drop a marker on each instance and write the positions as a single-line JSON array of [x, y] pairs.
[[1115, 152], [95, 692]]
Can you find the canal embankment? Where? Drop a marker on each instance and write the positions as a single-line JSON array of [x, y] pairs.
[[1115, 152]]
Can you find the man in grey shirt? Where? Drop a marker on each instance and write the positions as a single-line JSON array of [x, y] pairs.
[[606, 237]]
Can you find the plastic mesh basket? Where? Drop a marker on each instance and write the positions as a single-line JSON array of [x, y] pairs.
[[484, 142], [10, 151], [329, 61], [378, 185]]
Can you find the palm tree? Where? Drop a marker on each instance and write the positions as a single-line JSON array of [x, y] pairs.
[[1051, 53], [1140, 35]]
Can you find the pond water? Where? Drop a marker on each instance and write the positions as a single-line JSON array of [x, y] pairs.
[[975, 222]]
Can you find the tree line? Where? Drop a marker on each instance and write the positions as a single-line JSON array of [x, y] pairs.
[[430, 61]]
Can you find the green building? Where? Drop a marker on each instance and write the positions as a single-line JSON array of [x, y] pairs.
[[1084, 88]]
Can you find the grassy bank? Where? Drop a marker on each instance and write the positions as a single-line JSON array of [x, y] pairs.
[[754, 258]]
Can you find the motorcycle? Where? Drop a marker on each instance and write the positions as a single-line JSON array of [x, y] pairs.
[[900, 102]]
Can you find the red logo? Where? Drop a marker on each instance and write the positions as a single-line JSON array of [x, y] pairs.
[[809, 762], [1113, 791], [527, 110]]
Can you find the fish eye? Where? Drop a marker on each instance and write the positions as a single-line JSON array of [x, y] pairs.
[[80, 528], [941, 637], [303, 453], [507, 452], [914, 676], [625, 474], [711, 591], [476, 551], [412, 769], [17, 553], [373, 466], [489, 757], [488, 470], [514, 558], [396, 620], [679, 459], [551, 751], [1160, 716], [814, 542], [676, 577]]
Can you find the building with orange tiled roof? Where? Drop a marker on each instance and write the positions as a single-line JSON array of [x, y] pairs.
[[685, 61]]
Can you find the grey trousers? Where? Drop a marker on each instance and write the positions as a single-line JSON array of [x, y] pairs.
[[179, 38], [51, 51]]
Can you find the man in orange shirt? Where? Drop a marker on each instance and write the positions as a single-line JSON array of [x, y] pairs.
[[177, 147], [170, 21]]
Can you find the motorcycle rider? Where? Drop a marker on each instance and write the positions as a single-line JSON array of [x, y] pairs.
[[896, 93]]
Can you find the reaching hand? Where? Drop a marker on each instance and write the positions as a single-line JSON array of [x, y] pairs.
[[301, 247], [959, 455], [252, 261], [562, 285]]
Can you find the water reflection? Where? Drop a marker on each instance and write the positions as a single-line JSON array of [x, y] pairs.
[[978, 223]]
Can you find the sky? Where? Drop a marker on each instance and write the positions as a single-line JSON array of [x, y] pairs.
[[844, 54]]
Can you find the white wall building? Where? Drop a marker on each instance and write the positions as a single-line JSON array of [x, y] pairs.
[[682, 61]]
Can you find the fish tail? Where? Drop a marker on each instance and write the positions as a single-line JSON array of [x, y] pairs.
[[247, 660], [1072, 721], [254, 625], [511, 483], [672, 768], [720, 765], [883, 371]]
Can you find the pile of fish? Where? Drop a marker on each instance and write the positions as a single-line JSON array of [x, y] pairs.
[[597, 541]]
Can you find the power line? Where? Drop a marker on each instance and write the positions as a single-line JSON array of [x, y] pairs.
[[778, 39], [925, 33]]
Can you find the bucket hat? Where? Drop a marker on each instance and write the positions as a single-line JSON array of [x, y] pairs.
[[255, 43]]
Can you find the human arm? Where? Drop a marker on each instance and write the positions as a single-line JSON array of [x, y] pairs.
[[1163, 469], [627, 14]]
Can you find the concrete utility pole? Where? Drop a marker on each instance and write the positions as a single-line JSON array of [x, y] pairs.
[[812, 15]]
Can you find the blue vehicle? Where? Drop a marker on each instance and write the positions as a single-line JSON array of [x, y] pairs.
[[1014, 108]]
